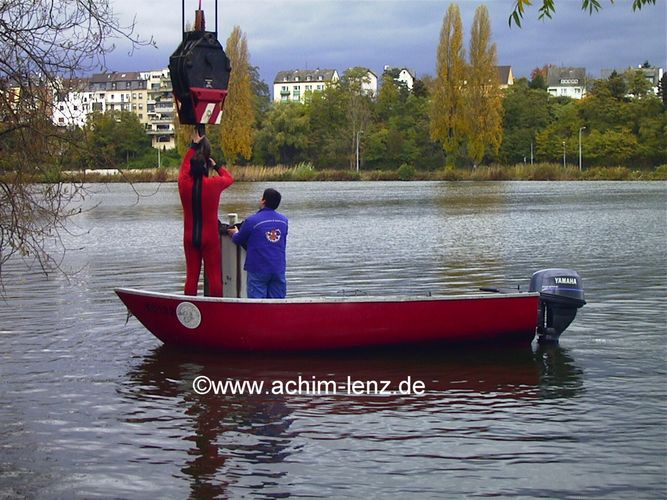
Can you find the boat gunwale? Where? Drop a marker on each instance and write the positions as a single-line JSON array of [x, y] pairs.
[[329, 299]]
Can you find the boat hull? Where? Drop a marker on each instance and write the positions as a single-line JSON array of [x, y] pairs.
[[333, 323]]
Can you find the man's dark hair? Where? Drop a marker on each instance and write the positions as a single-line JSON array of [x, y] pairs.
[[272, 198]]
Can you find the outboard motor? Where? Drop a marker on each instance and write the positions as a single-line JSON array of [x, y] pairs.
[[199, 70], [561, 294]]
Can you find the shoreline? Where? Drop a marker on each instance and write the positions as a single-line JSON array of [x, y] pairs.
[[305, 173]]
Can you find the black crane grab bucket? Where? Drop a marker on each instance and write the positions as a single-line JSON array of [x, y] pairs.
[[199, 70]]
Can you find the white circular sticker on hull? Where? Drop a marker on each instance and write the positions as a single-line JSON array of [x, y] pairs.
[[188, 314]]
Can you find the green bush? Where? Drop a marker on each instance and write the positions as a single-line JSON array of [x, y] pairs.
[[406, 172], [304, 171], [660, 173], [608, 174]]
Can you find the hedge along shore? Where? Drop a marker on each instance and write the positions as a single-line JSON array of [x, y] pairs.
[[305, 172]]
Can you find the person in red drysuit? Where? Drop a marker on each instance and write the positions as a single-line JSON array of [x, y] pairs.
[[200, 196]]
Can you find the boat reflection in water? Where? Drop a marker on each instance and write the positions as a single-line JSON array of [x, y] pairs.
[[253, 440]]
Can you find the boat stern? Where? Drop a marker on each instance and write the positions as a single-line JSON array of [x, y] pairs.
[[561, 295]]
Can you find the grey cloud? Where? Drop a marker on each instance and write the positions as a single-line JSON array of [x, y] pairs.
[[288, 34]]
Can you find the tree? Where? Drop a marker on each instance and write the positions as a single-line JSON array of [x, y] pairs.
[[602, 110], [538, 77], [638, 85], [284, 137], [262, 97], [261, 92], [652, 137], [358, 105], [329, 138], [239, 112], [617, 86], [42, 44], [447, 123], [612, 147], [662, 90], [537, 82], [113, 138], [419, 88], [564, 123], [526, 112], [549, 7], [483, 104]]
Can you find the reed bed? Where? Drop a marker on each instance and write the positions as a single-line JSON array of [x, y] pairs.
[[305, 172]]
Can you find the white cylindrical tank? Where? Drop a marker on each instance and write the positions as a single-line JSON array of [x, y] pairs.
[[234, 278]]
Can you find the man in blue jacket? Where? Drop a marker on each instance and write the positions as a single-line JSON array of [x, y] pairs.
[[264, 234]]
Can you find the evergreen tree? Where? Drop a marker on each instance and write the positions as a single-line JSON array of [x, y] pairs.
[[617, 85], [447, 123], [239, 111], [537, 82], [662, 90], [638, 85], [483, 104]]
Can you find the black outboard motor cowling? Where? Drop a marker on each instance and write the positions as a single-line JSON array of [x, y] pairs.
[[561, 294]]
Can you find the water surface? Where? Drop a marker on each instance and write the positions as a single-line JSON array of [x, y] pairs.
[[92, 405]]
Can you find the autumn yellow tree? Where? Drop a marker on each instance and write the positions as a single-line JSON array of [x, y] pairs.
[[483, 100], [447, 124], [239, 112]]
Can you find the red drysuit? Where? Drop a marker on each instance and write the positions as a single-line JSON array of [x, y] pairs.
[[209, 248]]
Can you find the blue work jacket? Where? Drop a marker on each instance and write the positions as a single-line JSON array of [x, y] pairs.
[[264, 234]]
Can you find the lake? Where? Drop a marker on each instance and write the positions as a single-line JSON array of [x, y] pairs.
[[92, 405]]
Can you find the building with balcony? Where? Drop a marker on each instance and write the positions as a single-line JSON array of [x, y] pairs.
[[296, 85], [146, 94], [160, 109]]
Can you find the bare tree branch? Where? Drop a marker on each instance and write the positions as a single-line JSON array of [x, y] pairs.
[[44, 43]]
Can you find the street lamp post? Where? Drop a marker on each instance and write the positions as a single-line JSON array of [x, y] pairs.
[[531, 152], [159, 159], [563, 154], [357, 149], [580, 129]]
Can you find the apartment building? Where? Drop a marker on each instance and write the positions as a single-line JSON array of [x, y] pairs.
[[69, 109], [160, 109], [146, 94], [295, 85]]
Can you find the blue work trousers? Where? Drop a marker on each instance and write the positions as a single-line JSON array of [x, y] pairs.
[[266, 286]]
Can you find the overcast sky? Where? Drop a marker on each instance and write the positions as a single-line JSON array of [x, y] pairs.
[[338, 34]]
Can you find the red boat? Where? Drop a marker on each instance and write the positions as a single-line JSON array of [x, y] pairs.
[[298, 324]]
